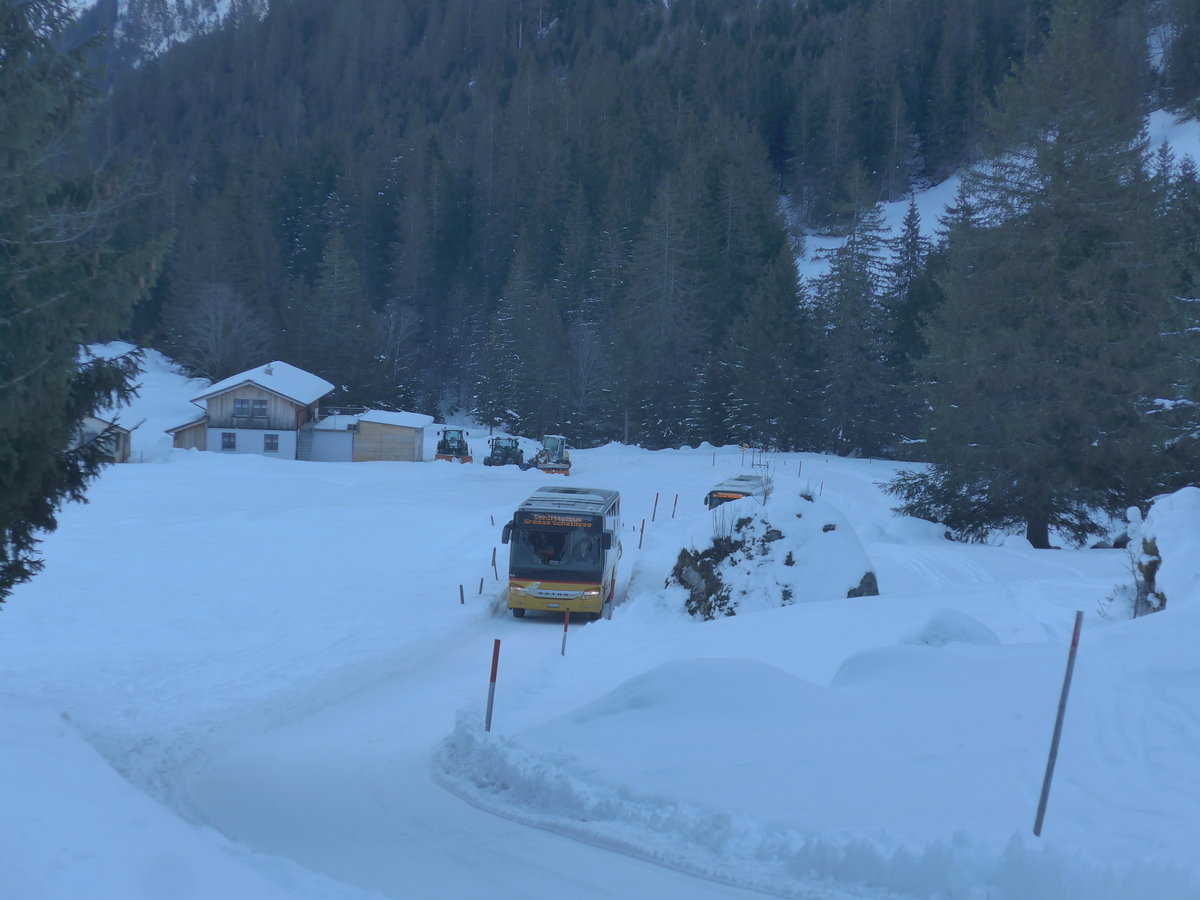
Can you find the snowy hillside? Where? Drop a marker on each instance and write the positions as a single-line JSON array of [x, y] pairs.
[[253, 678], [1162, 127]]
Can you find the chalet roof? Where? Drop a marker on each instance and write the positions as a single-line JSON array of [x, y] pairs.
[[196, 421], [278, 378], [97, 423], [403, 419]]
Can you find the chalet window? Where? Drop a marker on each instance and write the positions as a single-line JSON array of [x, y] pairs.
[[270, 443], [228, 440], [241, 406], [260, 409]]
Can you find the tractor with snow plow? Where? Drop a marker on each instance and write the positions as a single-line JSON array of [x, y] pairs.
[[504, 451], [452, 445], [553, 458]]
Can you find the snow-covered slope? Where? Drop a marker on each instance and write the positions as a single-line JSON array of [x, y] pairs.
[[254, 678]]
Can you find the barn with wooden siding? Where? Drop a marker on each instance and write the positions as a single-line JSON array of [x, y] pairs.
[[116, 439], [390, 435], [191, 435]]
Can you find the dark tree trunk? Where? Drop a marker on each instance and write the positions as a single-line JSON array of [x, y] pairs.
[[1037, 531]]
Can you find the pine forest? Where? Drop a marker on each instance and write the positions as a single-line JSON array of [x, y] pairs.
[[585, 217]]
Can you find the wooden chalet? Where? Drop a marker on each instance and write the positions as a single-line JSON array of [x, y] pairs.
[[273, 410], [259, 411]]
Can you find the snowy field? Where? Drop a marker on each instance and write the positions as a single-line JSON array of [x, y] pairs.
[[249, 678]]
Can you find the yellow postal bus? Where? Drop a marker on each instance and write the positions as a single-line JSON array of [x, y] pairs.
[[564, 543]]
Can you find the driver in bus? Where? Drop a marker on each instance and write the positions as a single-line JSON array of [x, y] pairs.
[[547, 546]]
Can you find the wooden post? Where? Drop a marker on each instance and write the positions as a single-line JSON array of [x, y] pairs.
[[641, 534], [1058, 723], [673, 505], [654, 512], [487, 724], [481, 585], [566, 622], [462, 599]]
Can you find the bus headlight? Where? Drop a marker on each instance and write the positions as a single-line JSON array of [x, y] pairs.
[[589, 594]]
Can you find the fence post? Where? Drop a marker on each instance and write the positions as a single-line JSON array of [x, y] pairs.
[[462, 599], [487, 724], [673, 505], [654, 511], [641, 534], [1058, 723], [566, 622]]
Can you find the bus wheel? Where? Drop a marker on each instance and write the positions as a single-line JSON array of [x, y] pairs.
[[518, 612]]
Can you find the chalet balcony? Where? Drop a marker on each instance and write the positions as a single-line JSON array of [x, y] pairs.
[[260, 422]]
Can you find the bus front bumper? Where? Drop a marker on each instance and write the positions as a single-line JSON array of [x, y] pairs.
[[544, 598]]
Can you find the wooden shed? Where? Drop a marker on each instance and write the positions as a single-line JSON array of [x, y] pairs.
[[390, 436], [116, 439]]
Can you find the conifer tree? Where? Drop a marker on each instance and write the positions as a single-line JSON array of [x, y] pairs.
[[769, 359], [855, 342], [1050, 344], [524, 380], [665, 325], [909, 298], [67, 280], [332, 330]]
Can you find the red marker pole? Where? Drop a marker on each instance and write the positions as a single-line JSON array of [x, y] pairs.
[[566, 622], [1058, 723], [487, 724]]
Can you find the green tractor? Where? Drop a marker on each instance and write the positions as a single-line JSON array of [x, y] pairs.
[[505, 451], [452, 445]]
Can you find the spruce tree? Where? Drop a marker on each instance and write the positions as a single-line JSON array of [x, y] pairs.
[[1049, 347], [66, 280], [665, 326], [770, 366], [333, 332], [524, 380], [909, 297], [855, 341]]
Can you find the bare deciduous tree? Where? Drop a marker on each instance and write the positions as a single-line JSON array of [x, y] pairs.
[[218, 334]]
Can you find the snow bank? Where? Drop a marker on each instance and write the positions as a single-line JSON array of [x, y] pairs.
[[759, 556], [578, 776], [1173, 523]]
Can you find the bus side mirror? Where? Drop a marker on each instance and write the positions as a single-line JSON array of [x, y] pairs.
[[506, 533], [606, 540]]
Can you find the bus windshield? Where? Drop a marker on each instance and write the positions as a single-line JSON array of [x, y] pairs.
[[561, 554]]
